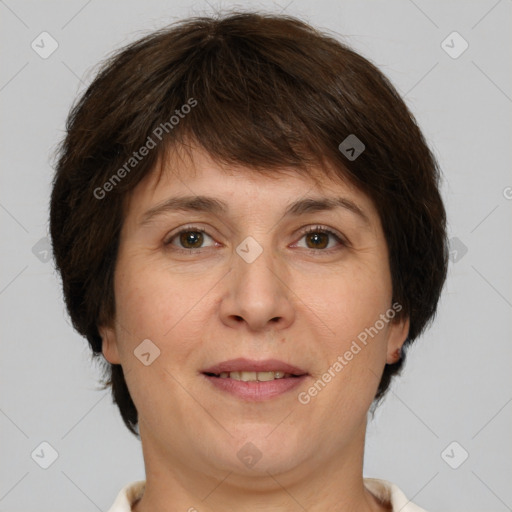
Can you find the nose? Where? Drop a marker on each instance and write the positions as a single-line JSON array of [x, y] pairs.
[[257, 296]]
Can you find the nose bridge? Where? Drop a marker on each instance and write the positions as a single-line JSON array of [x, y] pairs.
[[259, 295], [255, 266]]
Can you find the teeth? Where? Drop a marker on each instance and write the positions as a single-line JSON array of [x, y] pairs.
[[264, 376], [254, 376]]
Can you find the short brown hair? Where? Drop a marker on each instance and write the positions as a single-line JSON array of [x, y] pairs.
[[270, 92]]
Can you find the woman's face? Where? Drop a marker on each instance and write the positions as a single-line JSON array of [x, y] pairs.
[[254, 285]]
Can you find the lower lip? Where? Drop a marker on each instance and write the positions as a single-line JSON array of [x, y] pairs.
[[255, 390]]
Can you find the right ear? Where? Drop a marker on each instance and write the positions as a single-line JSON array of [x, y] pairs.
[[109, 345]]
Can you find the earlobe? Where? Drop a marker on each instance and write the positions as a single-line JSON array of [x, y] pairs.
[[398, 334], [109, 344]]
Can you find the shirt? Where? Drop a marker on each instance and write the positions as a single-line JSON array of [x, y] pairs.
[[382, 489]]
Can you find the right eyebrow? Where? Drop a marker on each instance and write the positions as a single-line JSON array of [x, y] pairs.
[[186, 204]]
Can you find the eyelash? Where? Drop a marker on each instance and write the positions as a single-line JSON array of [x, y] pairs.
[[314, 229]]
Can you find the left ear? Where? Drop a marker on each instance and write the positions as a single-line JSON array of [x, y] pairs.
[[397, 334]]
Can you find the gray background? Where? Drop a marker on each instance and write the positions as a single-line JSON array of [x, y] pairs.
[[456, 385]]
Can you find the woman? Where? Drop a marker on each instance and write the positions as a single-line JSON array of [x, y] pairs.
[[249, 230]]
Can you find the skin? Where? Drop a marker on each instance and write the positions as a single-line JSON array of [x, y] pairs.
[[298, 302]]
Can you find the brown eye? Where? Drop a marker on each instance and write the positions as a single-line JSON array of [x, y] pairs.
[[188, 239], [194, 238], [319, 240]]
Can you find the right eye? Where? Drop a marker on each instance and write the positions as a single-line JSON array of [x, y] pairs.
[[190, 239]]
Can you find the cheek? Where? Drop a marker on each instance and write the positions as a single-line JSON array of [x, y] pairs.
[[356, 346], [355, 300], [153, 304]]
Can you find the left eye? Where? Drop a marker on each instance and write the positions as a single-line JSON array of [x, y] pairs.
[[318, 238]]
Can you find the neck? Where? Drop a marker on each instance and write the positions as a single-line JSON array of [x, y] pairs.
[[315, 485]]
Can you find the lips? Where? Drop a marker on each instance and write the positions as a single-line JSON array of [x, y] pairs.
[[255, 381], [247, 365]]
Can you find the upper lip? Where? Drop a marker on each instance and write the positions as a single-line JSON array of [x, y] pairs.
[[251, 365]]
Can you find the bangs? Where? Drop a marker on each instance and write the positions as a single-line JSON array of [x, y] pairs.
[[256, 102]]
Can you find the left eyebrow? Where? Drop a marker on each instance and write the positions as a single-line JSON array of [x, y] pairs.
[[313, 204], [216, 206]]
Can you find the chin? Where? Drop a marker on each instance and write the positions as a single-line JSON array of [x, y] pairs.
[[267, 450]]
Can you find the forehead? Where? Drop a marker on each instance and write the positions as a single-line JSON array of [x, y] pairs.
[[191, 171]]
